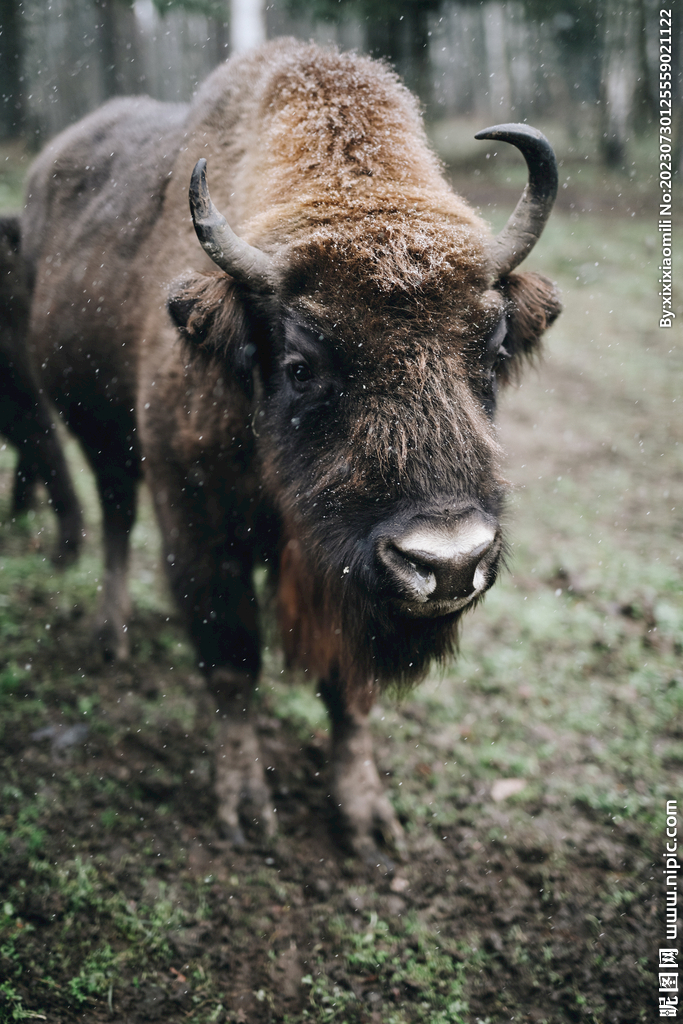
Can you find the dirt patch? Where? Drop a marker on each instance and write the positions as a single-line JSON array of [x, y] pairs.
[[544, 911]]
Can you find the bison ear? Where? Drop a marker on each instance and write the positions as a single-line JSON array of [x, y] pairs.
[[213, 323], [533, 305]]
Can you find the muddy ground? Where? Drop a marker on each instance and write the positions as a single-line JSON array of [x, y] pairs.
[[530, 778], [488, 888]]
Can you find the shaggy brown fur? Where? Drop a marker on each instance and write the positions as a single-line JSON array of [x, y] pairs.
[[384, 293]]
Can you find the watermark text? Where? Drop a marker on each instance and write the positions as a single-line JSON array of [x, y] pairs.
[[668, 954], [666, 166]]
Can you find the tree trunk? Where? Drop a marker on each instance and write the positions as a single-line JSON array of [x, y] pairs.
[[404, 42], [495, 35], [419, 77], [11, 74], [620, 67], [106, 30], [247, 24], [117, 40]]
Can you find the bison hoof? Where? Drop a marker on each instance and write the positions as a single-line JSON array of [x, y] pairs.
[[373, 831], [244, 803], [369, 823]]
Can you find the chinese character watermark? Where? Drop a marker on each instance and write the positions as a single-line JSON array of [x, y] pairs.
[[668, 955]]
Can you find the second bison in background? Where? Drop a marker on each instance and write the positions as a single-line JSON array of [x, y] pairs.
[[316, 394], [26, 419]]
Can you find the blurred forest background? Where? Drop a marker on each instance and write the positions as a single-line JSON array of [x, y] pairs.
[[591, 65]]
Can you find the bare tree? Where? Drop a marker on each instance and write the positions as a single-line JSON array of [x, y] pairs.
[[620, 67], [117, 42], [247, 24], [11, 78]]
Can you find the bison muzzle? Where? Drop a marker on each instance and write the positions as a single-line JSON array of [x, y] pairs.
[[311, 387]]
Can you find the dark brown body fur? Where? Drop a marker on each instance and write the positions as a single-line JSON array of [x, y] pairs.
[[320, 160], [25, 416]]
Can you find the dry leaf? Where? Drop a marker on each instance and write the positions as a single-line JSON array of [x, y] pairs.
[[399, 884], [503, 788]]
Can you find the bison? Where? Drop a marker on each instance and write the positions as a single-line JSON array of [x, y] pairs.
[[314, 392], [25, 416]]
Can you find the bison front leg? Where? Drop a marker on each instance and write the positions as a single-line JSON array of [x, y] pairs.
[[26, 419], [118, 495], [212, 585], [243, 798], [108, 440], [368, 819]]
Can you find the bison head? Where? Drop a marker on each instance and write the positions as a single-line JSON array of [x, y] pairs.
[[380, 340]]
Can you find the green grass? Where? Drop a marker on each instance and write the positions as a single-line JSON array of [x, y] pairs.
[[408, 956], [14, 162]]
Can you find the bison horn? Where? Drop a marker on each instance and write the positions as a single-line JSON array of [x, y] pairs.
[[232, 254], [524, 228]]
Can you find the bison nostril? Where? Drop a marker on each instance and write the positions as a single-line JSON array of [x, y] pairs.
[[413, 576], [421, 571], [479, 579], [424, 576], [440, 564]]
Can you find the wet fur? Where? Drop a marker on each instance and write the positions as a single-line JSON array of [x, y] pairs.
[[319, 159]]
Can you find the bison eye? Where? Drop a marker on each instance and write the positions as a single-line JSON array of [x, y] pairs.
[[494, 345], [300, 372]]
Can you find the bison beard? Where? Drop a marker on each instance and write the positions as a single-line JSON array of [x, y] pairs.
[[322, 402]]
